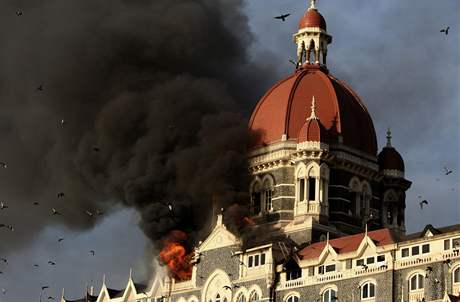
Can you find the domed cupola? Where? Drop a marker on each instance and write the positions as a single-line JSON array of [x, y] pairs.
[[390, 161], [312, 37], [313, 130], [312, 18]]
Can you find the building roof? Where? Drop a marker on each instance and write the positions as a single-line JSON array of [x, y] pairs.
[[115, 293], [88, 298], [285, 107], [347, 244], [390, 159], [433, 230]]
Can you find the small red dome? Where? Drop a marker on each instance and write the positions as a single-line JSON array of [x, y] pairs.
[[390, 159], [282, 112], [312, 18], [313, 131]]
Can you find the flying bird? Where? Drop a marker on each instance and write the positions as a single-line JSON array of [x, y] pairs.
[[3, 165], [45, 287], [445, 30], [282, 17], [40, 87], [3, 205], [447, 171], [60, 239], [19, 13], [36, 203], [36, 265], [4, 260], [60, 195], [89, 213], [8, 226], [92, 252], [63, 122], [51, 263], [50, 298], [55, 212], [423, 202]]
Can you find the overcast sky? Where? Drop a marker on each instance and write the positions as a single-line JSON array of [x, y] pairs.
[[393, 55]]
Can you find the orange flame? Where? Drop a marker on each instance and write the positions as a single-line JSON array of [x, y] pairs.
[[249, 221], [174, 255]]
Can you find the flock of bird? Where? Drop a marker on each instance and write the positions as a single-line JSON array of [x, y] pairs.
[[423, 202], [53, 212]]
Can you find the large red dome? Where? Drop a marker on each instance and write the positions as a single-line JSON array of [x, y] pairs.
[[285, 107]]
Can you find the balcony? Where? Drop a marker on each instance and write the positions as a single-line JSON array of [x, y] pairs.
[[416, 296]]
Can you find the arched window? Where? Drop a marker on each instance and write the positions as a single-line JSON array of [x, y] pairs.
[[268, 194], [329, 295], [254, 296], [293, 299], [417, 282], [368, 290], [311, 186], [301, 185], [256, 198], [366, 196], [217, 298], [355, 197], [456, 275], [241, 298]]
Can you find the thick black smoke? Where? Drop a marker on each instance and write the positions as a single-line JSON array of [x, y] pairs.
[[154, 95]]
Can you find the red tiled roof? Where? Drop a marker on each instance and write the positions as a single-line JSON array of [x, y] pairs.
[[347, 244]]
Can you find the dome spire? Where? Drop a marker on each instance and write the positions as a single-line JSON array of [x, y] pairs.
[[389, 137], [312, 4], [313, 110]]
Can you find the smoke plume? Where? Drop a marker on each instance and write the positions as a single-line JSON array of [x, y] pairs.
[[143, 103]]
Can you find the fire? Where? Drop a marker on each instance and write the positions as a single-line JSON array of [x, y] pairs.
[[174, 255], [249, 221]]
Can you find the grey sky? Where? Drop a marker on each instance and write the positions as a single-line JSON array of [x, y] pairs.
[[390, 52]]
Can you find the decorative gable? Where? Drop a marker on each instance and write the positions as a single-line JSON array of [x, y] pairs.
[[220, 237]]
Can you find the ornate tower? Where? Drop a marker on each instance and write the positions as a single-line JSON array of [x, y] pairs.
[[314, 162], [394, 187], [312, 37]]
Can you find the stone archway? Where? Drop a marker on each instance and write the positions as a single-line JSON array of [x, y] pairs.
[[215, 287]]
